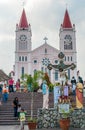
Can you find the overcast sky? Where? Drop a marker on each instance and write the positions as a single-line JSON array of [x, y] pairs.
[[45, 17]]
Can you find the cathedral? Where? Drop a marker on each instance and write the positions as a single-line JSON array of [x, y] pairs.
[[27, 60]]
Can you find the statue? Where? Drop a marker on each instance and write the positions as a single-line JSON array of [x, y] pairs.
[[56, 93], [45, 91], [79, 95], [63, 78], [61, 67]]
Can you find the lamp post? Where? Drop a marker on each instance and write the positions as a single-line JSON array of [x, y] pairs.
[[61, 67]]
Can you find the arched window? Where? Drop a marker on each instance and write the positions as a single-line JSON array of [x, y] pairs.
[[22, 58], [42, 69], [45, 70], [68, 73], [45, 51], [19, 58], [56, 75], [22, 70], [65, 58], [71, 58], [49, 73], [68, 58], [35, 71], [25, 58]]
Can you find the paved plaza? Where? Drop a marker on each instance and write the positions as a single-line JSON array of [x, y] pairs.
[[17, 127]]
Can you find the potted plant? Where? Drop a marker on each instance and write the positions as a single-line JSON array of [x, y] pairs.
[[32, 123], [32, 83], [64, 119]]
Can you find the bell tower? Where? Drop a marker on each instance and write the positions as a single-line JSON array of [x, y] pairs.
[[68, 41], [22, 46]]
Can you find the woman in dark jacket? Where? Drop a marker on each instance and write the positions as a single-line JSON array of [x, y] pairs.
[[15, 105]]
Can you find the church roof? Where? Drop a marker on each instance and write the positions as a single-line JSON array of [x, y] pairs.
[[66, 21], [43, 46], [23, 21], [3, 76]]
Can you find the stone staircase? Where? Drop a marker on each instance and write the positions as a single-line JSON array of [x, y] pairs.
[[6, 109]]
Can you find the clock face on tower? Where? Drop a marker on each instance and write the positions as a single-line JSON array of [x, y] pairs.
[[23, 37]]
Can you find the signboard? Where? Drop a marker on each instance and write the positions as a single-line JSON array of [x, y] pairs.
[[63, 108], [56, 94]]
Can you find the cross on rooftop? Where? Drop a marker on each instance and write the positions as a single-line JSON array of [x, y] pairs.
[[45, 39]]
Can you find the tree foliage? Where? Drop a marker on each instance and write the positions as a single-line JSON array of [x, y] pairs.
[[46, 77], [32, 82]]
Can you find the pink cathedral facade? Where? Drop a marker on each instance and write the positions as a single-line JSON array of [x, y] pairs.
[[27, 61]]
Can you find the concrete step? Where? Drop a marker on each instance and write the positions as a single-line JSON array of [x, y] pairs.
[[6, 110]]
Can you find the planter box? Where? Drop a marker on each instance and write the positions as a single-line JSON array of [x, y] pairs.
[[32, 125], [65, 124]]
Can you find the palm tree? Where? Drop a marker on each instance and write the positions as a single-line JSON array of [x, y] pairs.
[[32, 82]]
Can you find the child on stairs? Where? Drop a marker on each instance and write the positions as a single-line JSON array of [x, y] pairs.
[[22, 118]]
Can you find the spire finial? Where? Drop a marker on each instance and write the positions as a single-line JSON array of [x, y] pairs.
[[23, 4], [45, 38], [66, 5]]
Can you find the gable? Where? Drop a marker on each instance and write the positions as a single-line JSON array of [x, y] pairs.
[[44, 52], [45, 49]]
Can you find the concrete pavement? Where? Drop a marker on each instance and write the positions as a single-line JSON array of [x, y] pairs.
[[12, 127], [17, 127]]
